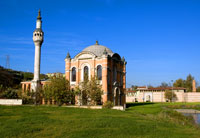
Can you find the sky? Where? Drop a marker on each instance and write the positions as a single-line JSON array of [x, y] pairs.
[[160, 39]]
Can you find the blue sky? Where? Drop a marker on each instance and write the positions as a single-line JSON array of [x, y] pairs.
[[160, 39]]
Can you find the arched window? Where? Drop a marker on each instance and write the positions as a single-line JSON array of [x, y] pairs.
[[86, 72], [99, 72], [73, 74], [114, 73]]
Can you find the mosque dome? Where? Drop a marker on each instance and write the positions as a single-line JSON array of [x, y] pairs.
[[98, 50]]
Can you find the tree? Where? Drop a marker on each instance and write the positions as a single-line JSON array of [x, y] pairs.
[[179, 83], [95, 91], [164, 85], [84, 90], [198, 89], [170, 95], [59, 90], [188, 83], [134, 87], [91, 91]]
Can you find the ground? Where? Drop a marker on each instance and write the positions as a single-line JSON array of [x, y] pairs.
[[144, 120]]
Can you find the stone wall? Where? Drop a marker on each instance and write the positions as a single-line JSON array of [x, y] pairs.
[[10, 101]]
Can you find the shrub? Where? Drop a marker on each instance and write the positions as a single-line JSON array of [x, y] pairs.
[[27, 99], [169, 95], [108, 105], [10, 94]]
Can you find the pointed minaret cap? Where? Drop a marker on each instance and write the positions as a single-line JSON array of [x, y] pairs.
[[39, 15], [123, 59], [68, 55], [97, 43]]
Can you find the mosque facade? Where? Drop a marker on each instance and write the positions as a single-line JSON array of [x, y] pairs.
[[109, 68]]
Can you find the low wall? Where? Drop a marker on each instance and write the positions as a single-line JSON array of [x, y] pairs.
[[160, 97], [96, 107], [10, 101]]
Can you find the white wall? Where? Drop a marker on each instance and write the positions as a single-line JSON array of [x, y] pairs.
[[10, 101], [160, 97]]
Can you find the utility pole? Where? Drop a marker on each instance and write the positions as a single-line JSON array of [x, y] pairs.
[[7, 62], [172, 90]]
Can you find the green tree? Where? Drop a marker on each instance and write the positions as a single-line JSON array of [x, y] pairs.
[[48, 92], [179, 83], [95, 91], [170, 95], [91, 91], [59, 89], [188, 83], [198, 89], [164, 85], [84, 90], [134, 87]]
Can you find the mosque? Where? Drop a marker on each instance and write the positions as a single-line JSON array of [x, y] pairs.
[[109, 68], [95, 60]]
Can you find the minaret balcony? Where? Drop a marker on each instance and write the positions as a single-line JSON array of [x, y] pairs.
[[38, 36]]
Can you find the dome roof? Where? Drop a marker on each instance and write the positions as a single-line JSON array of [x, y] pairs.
[[98, 49]]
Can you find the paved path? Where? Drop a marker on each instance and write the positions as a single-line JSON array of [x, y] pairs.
[[193, 111]]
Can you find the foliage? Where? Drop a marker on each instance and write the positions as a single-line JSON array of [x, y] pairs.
[[12, 78], [164, 85], [134, 87], [179, 83], [108, 105], [185, 83], [95, 91], [47, 92], [170, 95], [198, 89], [84, 87], [27, 97], [59, 90], [150, 86], [91, 91], [10, 94], [188, 83], [77, 90]]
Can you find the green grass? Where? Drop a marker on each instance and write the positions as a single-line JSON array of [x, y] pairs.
[[140, 120]]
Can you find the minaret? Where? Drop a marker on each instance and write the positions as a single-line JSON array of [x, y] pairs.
[[38, 40], [194, 89]]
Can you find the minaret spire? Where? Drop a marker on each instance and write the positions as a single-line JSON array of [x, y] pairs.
[[39, 21], [38, 36], [39, 15]]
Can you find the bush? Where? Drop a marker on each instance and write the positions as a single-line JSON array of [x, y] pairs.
[[10, 94], [108, 105], [27, 99]]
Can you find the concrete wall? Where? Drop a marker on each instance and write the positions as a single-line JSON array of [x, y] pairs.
[[160, 97], [10, 101], [192, 97]]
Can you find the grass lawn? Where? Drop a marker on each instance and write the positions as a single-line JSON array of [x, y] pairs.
[[139, 120]]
